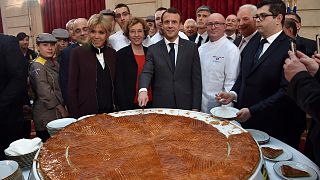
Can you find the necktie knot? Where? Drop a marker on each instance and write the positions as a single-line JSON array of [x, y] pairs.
[[260, 48], [263, 41], [171, 45]]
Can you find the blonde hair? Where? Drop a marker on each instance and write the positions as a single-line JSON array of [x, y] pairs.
[[97, 19]]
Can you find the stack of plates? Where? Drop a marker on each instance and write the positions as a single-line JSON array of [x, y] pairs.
[[9, 170], [260, 136], [56, 125], [25, 160]]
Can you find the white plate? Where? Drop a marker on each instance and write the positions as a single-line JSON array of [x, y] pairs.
[[83, 117], [297, 165], [7, 168], [60, 123], [286, 155], [224, 112], [259, 136]]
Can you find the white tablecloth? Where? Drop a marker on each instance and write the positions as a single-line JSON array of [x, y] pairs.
[[296, 156]]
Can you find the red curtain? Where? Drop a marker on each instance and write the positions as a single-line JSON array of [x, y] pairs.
[[225, 7], [56, 13], [1, 26]]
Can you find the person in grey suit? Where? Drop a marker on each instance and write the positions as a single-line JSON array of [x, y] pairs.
[[173, 69]]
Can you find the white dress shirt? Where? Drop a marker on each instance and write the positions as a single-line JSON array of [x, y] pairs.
[[176, 45], [176, 42], [233, 37], [219, 67], [245, 41], [204, 38], [270, 40], [158, 37], [265, 47], [118, 40]]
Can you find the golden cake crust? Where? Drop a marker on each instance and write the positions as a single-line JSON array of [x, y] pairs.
[[150, 146]]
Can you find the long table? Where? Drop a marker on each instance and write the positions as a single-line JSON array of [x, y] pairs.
[[296, 156]]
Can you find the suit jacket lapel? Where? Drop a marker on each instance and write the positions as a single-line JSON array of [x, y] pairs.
[[180, 53], [269, 51], [165, 54]]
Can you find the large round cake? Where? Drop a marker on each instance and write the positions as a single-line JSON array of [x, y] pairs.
[[149, 146]]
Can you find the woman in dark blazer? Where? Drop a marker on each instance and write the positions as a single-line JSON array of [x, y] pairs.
[[130, 61], [92, 72]]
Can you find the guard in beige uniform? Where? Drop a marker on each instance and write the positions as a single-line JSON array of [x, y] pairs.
[[48, 104]]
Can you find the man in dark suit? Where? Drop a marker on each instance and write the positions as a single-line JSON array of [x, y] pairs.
[[259, 89], [202, 13], [247, 25], [232, 29], [190, 29], [309, 44], [173, 65], [13, 84], [81, 35]]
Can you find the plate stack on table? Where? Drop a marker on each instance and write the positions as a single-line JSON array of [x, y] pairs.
[[56, 125], [9, 170], [23, 151], [279, 156], [155, 144]]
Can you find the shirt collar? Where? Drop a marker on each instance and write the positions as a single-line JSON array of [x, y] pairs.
[[175, 41], [219, 40], [203, 35], [273, 37], [233, 36], [247, 39]]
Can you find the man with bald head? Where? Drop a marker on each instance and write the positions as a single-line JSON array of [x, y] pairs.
[[219, 59], [231, 29], [246, 24], [190, 29], [81, 36]]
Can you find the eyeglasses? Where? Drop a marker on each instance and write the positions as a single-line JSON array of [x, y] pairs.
[[215, 24], [262, 16]]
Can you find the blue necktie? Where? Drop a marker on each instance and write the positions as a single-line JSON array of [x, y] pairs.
[[172, 55], [259, 51]]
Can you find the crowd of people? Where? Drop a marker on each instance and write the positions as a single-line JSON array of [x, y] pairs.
[[243, 60]]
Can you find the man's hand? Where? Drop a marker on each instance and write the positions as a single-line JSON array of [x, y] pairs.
[[143, 98], [64, 113], [316, 57], [243, 115], [310, 63], [292, 66], [224, 97]]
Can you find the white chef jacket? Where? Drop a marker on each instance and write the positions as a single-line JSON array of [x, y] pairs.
[[220, 61]]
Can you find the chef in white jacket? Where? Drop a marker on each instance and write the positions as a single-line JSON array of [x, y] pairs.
[[220, 60]]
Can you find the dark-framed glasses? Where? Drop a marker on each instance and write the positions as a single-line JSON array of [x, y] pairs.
[[262, 16], [215, 24]]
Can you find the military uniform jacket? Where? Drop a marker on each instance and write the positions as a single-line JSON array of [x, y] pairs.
[[44, 82]]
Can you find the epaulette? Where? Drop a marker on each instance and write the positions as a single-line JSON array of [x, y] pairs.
[[40, 60]]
